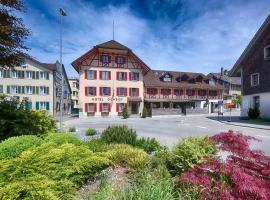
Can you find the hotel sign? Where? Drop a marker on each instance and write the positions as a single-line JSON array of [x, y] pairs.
[[108, 99]]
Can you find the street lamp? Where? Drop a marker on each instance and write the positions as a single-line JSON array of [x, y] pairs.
[[62, 14]]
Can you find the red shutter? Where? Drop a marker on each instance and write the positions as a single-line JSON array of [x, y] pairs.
[[125, 105], [95, 107], [85, 107], [100, 91], [95, 74], [130, 76], [85, 91], [130, 92], [138, 76], [109, 59], [109, 107], [109, 91], [100, 75], [125, 91], [117, 91], [109, 75], [117, 76], [85, 74], [100, 107], [137, 92], [95, 91], [125, 76], [117, 107]]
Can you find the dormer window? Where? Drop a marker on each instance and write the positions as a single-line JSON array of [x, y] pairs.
[[167, 78], [105, 58], [267, 52], [199, 78], [120, 60], [184, 77]]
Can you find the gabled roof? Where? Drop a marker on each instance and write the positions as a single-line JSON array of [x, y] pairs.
[[229, 79], [112, 44], [265, 26]]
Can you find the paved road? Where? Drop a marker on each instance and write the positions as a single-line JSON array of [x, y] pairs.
[[168, 130]]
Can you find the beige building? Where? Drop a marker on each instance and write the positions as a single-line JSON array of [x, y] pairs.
[[74, 85], [38, 83], [111, 78]]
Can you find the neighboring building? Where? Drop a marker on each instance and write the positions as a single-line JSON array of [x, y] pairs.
[[254, 68], [180, 92], [113, 77], [74, 85], [35, 81], [231, 85]]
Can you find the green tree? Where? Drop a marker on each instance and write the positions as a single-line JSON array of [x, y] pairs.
[[125, 113], [144, 113], [12, 34]]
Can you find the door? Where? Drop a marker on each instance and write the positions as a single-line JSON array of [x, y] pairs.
[[134, 108]]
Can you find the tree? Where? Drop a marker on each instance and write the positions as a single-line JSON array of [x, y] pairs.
[[144, 113], [12, 34], [125, 113]]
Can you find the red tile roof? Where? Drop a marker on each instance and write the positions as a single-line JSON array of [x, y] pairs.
[[112, 44]]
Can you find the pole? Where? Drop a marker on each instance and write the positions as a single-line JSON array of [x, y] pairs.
[[61, 74]]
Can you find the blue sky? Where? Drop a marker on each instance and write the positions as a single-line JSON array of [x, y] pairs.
[[183, 35]]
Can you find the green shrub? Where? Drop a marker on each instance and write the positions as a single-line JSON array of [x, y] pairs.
[[14, 146], [119, 134], [90, 132], [148, 144], [144, 113], [97, 145], [191, 151], [125, 113], [50, 171], [254, 113], [62, 138], [125, 154], [16, 119], [72, 129], [161, 158]]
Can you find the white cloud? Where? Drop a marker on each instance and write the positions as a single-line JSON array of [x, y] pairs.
[[212, 40]]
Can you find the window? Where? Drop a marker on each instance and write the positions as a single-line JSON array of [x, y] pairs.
[[267, 52], [120, 60], [167, 78], [91, 74], [190, 92], [91, 91], [177, 92], [1, 89], [134, 92], [105, 75], [256, 101], [91, 107], [254, 79], [122, 76], [105, 91], [42, 90], [122, 92], [1, 73], [134, 76], [14, 89], [29, 74], [121, 106], [74, 84], [104, 107], [42, 105], [42, 75], [105, 59], [29, 90], [14, 74], [212, 82]]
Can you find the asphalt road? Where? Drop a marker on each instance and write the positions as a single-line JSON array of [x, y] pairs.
[[168, 130]]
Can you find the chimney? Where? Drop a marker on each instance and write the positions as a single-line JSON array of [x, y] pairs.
[[221, 72]]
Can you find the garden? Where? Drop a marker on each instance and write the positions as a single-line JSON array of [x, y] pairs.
[[38, 162]]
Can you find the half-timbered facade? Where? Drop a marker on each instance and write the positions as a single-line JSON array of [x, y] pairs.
[[111, 78]]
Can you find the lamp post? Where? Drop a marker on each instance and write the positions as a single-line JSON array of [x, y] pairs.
[[62, 14]]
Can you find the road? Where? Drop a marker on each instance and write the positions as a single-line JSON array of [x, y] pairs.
[[168, 130]]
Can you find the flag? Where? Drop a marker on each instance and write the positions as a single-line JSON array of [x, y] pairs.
[[62, 12]]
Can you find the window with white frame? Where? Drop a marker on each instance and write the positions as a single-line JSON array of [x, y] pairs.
[[42, 75], [133, 92], [29, 74], [91, 74], [105, 107], [121, 107], [1, 89], [105, 91], [29, 90], [42, 90], [90, 107], [267, 52], [42, 105], [121, 76], [167, 78], [1, 73], [122, 92], [134, 76], [120, 60], [254, 79], [105, 58], [105, 75], [14, 89], [14, 74]]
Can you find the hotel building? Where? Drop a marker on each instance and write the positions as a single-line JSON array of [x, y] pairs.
[[112, 77]]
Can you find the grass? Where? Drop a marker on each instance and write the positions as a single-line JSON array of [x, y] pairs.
[[256, 120], [72, 129], [90, 132]]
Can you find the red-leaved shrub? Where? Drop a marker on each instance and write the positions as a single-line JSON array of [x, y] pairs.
[[245, 174]]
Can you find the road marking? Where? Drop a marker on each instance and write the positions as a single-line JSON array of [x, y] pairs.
[[262, 136], [201, 127]]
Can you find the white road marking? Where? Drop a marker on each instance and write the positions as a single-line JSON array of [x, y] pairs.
[[201, 127], [262, 136]]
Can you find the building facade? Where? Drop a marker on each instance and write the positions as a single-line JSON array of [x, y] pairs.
[[32, 80], [112, 77], [74, 85], [254, 68]]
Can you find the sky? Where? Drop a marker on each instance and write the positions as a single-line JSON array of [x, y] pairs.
[[181, 35]]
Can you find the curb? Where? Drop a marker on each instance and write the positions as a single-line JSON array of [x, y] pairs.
[[229, 123]]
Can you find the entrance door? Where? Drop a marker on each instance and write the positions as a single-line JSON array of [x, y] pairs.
[[134, 108]]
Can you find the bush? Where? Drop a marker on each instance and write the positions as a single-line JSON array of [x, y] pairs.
[[72, 129], [254, 113], [62, 138], [50, 171], [148, 144], [90, 132], [119, 134], [14, 146], [144, 113], [125, 154], [97, 145], [125, 113], [191, 151], [16, 119], [161, 158]]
